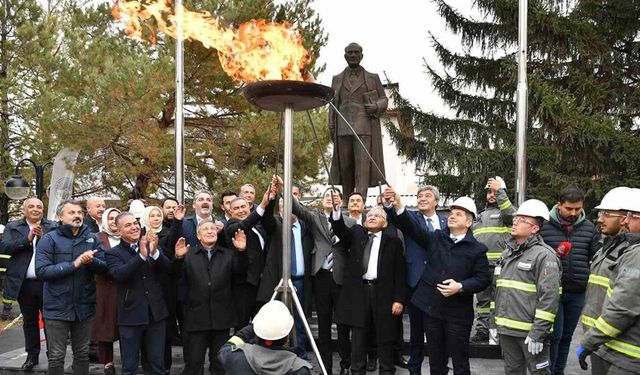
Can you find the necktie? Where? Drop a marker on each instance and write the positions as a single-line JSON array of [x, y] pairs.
[[430, 225], [294, 261], [334, 238], [367, 254], [135, 247], [209, 255]]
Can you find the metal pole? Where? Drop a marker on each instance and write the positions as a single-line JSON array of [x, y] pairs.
[[179, 119], [286, 215], [521, 102]]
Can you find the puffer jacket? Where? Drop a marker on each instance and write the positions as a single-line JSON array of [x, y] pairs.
[[527, 289], [602, 265], [69, 293], [585, 241], [493, 226], [616, 334]]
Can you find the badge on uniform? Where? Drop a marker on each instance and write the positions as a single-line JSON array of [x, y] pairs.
[[89, 240], [524, 266], [497, 270]]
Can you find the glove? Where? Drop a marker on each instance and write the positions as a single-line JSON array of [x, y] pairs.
[[582, 354], [534, 347]]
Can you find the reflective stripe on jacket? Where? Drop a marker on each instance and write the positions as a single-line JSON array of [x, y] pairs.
[[493, 227], [527, 289], [602, 266], [616, 332]]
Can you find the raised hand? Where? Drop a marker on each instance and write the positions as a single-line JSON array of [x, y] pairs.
[[181, 248], [142, 246], [153, 242], [179, 212], [240, 240]]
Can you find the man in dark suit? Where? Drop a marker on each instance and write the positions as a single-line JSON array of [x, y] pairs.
[[95, 208], [416, 258], [361, 99], [246, 286], [327, 275], [203, 210], [457, 267], [355, 205], [225, 205], [19, 241], [374, 290], [209, 269], [301, 245], [135, 264]]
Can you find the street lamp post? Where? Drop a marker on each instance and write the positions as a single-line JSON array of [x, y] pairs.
[[18, 188]]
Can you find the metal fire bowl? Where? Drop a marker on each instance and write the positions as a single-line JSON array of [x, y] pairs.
[[275, 95]]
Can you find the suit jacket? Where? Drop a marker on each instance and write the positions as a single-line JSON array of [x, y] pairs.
[[390, 285], [139, 289], [370, 83], [210, 300], [189, 230], [415, 255], [322, 246], [273, 264], [16, 243], [254, 249], [91, 223]]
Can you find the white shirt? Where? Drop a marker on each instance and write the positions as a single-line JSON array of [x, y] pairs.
[[31, 270], [358, 220], [372, 268], [457, 238], [435, 220], [297, 234]]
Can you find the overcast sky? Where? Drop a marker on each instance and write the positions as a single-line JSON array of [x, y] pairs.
[[394, 37]]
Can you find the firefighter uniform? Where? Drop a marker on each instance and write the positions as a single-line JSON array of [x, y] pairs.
[[616, 332], [527, 297], [493, 229]]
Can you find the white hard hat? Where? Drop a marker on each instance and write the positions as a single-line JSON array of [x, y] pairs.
[[534, 208], [503, 185], [467, 204], [615, 198], [137, 208], [1, 228], [273, 321], [632, 203]]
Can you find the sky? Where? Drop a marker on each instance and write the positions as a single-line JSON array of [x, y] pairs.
[[394, 37]]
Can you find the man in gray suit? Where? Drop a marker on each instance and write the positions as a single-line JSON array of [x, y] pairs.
[[360, 98], [328, 262]]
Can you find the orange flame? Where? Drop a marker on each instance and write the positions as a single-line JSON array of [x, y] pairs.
[[257, 50]]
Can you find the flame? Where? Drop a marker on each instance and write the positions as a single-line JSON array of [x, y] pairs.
[[256, 50]]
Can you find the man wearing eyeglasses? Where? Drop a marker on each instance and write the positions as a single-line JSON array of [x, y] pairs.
[[613, 334], [568, 224], [527, 293]]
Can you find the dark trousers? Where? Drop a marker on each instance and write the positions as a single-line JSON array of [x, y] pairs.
[[517, 358], [246, 305], [30, 301], [105, 352], [195, 349], [132, 339], [567, 317], [416, 335], [360, 339], [447, 339], [354, 173], [326, 293], [58, 332], [302, 341]]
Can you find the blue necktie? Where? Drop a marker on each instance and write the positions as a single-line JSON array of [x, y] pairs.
[[134, 247], [430, 225]]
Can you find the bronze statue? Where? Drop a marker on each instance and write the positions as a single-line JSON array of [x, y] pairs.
[[361, 99]]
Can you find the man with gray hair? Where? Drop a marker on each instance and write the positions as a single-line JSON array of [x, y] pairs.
[[67, 260], [203, 210], [95, 208], [19, 241]]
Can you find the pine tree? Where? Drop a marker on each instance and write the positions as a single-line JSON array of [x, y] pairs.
[[583, 108]]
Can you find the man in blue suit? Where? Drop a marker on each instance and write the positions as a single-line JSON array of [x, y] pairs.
[[427, 218], [135, 264]]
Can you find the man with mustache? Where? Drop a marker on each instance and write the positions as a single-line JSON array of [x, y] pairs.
[[203, 210], [568, 223], [67, 260], [20, 240], [95, 209]]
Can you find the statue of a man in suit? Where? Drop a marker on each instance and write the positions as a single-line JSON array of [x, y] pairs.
[[361, 99]]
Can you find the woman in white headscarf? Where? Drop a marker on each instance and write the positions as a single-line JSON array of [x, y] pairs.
[[151, 221], [106, 331]]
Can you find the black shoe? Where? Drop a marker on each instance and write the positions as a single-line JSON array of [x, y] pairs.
[[7, 313], [29, 364], [109, 369], [481, 337], [400, 361], [344, 371], [372, 364]]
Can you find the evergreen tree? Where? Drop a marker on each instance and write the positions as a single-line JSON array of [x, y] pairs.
[[583, 108]]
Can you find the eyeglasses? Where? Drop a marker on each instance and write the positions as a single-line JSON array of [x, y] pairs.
[[633, 215], [609, 214], [520, 219]]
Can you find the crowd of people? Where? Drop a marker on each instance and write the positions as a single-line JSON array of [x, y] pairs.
[[153, 276]]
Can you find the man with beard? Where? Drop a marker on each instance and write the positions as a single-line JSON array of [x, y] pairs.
[[95, 209], [67, 260], [20, 240], [168, 206], [568, 223]]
